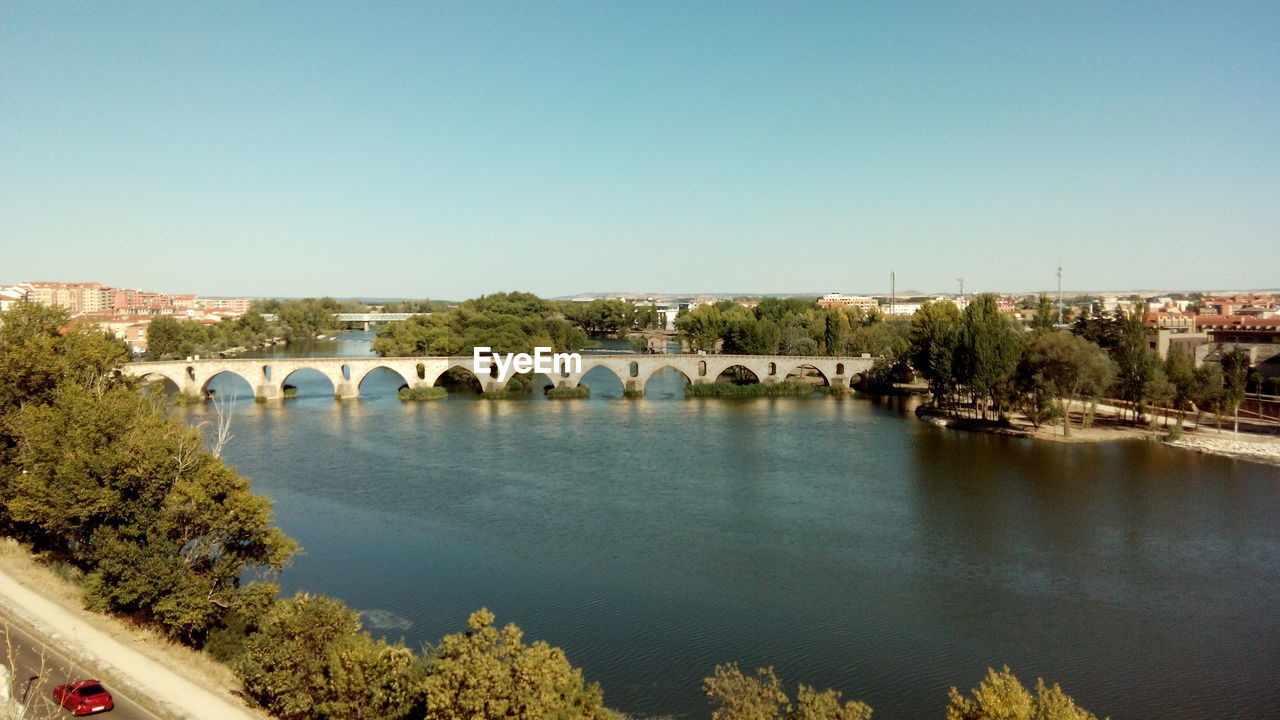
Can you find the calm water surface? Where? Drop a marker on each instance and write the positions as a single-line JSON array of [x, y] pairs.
[[837, 539]]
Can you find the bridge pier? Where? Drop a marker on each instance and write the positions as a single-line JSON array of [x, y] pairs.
[[346, 390], [268, 391]]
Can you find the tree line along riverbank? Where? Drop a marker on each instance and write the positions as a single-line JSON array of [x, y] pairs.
[[153, 527]]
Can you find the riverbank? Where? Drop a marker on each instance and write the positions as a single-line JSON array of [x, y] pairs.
[[176, 681], [1259, 448], [1108, 425]]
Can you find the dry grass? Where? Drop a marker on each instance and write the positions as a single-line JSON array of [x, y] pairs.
[[59, 584]]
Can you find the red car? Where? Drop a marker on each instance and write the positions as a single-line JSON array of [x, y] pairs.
[[84, 697]]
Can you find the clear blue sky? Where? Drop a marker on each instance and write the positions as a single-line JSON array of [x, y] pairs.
[[447, 149]]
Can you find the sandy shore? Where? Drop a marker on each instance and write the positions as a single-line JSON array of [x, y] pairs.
[[1263, 448], [1109, 427]]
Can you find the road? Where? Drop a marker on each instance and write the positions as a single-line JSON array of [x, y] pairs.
[[39, 667]]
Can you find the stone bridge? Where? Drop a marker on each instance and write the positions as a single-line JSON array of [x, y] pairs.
[[268, 376]]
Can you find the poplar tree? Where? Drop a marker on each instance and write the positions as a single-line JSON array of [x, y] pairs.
[[989, 350]]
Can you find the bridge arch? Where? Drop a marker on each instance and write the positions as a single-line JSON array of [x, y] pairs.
[[161, 380], [659, 372], [738, 374], [306, 376], [458, 378], [358, 381], [227, 384], [801, 371], [604, 380]]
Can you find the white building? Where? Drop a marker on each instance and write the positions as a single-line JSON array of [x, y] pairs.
[[837, 300]]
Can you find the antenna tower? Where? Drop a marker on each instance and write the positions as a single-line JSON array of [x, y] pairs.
[[1059, 293]]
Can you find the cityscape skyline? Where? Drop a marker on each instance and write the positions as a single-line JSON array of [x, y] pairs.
[[453, 151], [640, 294]]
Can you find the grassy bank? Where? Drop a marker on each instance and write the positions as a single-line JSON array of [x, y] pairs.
[[723, 389], [422, 393], [567, 393]]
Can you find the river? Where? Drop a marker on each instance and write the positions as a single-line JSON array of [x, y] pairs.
[[839, 540]]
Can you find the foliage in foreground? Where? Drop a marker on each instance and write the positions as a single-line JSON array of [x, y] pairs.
[[490, 673], [998, 697], [97, 475], [309, 659], [760, 697], [1001, 697]]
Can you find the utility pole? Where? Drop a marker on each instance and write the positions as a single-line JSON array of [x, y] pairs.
[[1059, 293], [893, 292]]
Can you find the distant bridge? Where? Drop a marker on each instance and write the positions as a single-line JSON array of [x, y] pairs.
[[268, 376], [364, 319]]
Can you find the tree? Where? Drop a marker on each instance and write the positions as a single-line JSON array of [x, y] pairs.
[[1210, 391], [935, 338], [748, 336], [309, 660], [1135, 360], [505, 322], [701, 327], [1045, 316], [1235, 372], [760, 697], [989, 350], [490, 674], [39, 349], [837, 333], [162, 529], [1001, 697], [1180, 369], [1102, 330], [794, 340], [1068, 365]]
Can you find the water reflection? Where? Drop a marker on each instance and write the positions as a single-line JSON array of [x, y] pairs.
[[838, 539]]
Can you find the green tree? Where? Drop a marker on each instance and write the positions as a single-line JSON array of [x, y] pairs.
[[1136, 362], [309, 660], [1104, 331], [748, 336], [838, 333], [1067, 366], [760, 697], [1235, 372], [780, 309], [490, 674], [934, 341], [989, 351], [1180, 369], [1210, 393], [40, 349], [702, 327], [1045, 316], [504, 322], [1002, 697], [793, 339], [162, 529]]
